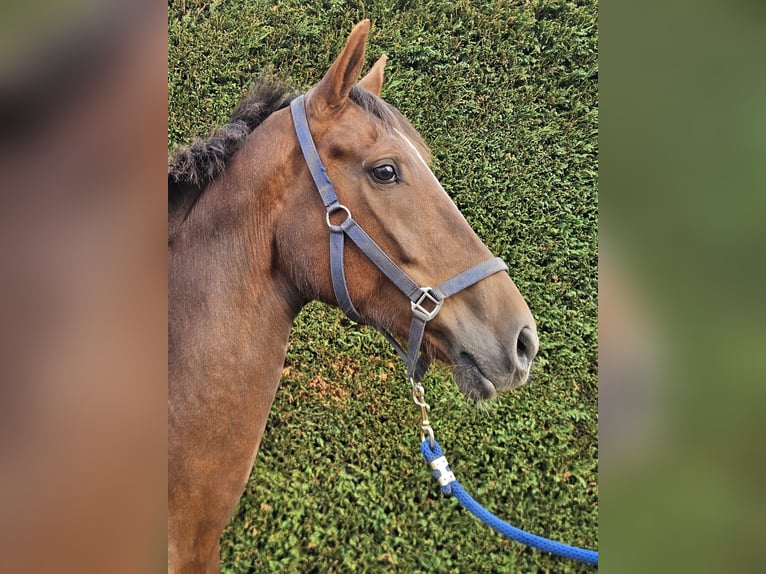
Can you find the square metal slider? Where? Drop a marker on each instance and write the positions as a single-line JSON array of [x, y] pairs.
[[428, 304]]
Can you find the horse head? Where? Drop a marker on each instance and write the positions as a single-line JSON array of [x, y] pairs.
[[379, 167]]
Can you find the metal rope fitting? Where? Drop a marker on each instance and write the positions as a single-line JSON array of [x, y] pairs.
[[419, 398]]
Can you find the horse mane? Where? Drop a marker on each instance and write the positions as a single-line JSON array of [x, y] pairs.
[[192, 168]]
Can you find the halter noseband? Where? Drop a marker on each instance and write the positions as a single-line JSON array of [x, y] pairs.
[[425, 302]]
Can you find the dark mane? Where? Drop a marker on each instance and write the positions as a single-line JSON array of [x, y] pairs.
[[191, 168], [205, 159]]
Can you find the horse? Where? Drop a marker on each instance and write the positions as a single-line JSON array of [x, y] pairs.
[[257, 216]]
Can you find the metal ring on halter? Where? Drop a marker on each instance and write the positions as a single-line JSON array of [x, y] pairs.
[[333, 209]]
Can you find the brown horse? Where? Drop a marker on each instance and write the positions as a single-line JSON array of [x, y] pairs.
[[248, 247]]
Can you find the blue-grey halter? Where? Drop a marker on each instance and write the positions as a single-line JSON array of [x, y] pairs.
[[426, 302]]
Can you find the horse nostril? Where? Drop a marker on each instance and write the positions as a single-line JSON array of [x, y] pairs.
[[526, 346]]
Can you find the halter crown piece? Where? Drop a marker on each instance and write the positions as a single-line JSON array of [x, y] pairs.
[[425, 302]]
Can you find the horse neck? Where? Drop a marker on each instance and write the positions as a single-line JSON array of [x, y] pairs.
[[230, 315], [229, 320]]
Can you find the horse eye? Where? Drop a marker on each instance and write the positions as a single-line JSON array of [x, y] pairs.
[[384, 173]]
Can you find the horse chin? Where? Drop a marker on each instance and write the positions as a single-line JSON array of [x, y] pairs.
[[477, 384], [471, 380]]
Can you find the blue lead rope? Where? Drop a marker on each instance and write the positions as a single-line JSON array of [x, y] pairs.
[[450, 486]]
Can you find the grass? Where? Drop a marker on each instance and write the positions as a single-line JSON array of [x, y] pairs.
[[506, 95]]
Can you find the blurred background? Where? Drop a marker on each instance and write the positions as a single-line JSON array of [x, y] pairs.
[[682, 205], [83, 313]]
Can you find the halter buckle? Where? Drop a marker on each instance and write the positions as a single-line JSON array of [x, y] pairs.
[[428, 297]]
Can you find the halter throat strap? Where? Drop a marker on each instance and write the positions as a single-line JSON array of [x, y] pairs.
[[425, 302]]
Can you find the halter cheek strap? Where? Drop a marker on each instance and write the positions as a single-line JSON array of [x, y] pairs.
[[425, 302]]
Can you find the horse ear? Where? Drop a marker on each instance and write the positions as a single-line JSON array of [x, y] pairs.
[[332, 91], [373, 81]]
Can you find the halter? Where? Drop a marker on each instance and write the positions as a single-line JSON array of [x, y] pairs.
[[425, 302]]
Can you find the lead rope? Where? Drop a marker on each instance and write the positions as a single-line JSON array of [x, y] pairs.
[[434, 456]]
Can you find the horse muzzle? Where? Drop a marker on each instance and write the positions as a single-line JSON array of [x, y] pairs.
[[485, 366]]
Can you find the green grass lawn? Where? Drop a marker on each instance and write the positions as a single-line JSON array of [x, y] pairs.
[[506, 94]]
